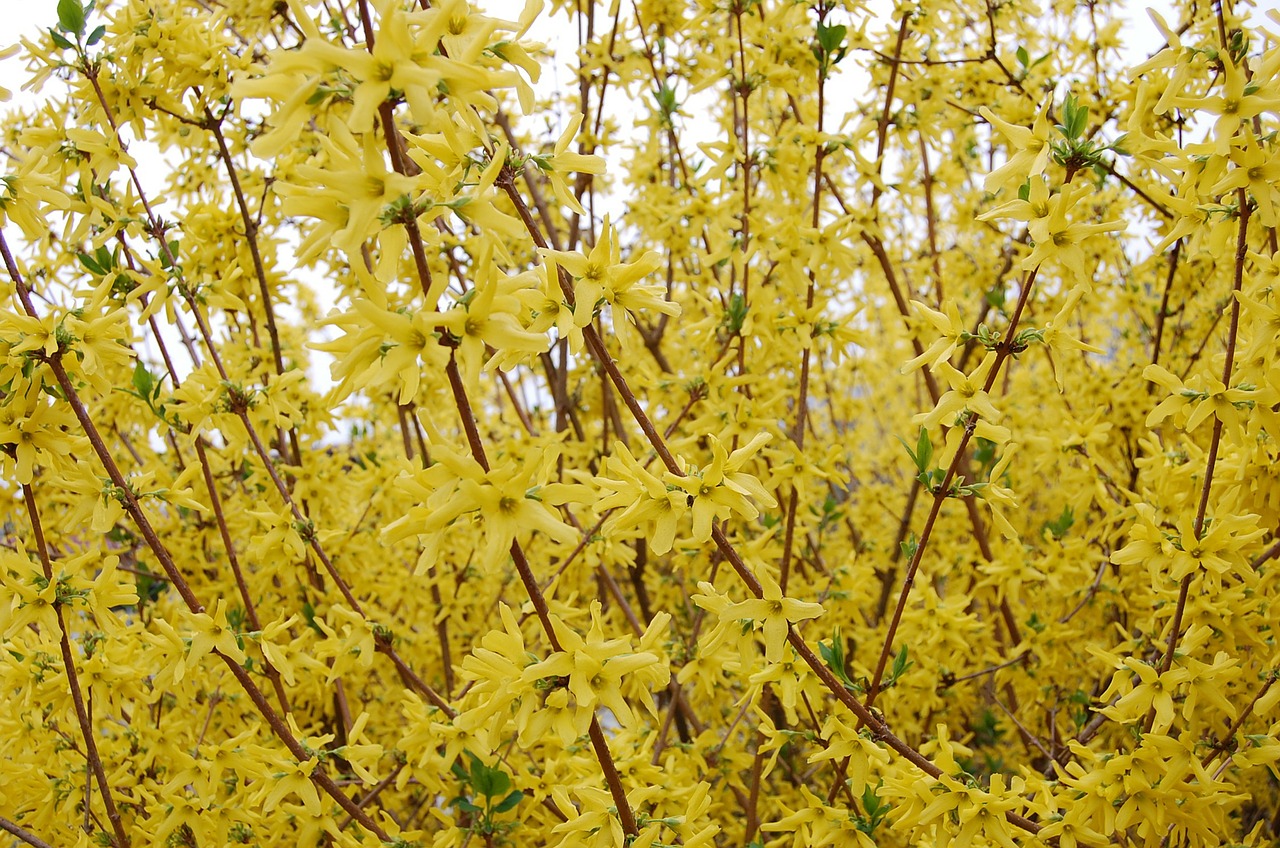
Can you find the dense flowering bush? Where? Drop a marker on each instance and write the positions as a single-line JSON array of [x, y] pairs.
[[843, 465]]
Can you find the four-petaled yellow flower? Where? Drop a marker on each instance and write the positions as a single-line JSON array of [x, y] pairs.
[[212, 632], [602, 277], [722, 487], [967, 394], [1154, 692], [772, 612]]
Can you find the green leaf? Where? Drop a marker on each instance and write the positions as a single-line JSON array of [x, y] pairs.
[[831, 654], [143, 381], [96, 35], [1023, 58], [90, 263], [736, 314], [870, 800], [910, 452], [909, 547], [922, 456], [309, 614], [509, 802], [60, 40], [833, 657], [876, 809], [900, 665], [489, 782], [165, 254], [985, 452], [1075, 118], [830, 37], [1081, 122], [1060, 525], [924, 450], [666, 99], [71, 16]]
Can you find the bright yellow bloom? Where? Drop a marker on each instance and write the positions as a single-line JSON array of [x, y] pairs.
[[772, 613], [602, 277], [966, 395], [1030, 153], [953, 330], [212, 632], [595, 667], [1154, 691], [722, 487]]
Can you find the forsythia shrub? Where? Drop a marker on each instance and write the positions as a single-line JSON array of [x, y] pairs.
[[887, 465]]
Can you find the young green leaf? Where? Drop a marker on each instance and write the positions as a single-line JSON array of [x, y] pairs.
[[509, 802], [924, 450], [486, 780], [71, 17], [1075, 118], [1060, 525], [143, 381], [60, 40], [309, 615], [830, 37], [900, 666], [833, 657]]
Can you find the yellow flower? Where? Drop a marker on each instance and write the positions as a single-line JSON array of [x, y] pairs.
[[274, 654], [1154, 691], [562, 161], [348, 192], [722, 487], [292, 779], [643, 497], [1201, 397], [997, 496], [1238, 103], [487, 319], [35, 430], [601, 276], [953, 330], [843, 741], [966, 395], [1258, 171], [771, 612], [33, 598], [1030, 153], [595, 668], [1218, 548], [381, 346], [29, 193], [212, 632]]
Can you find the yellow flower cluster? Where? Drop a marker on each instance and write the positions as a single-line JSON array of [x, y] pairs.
[[880, 451]]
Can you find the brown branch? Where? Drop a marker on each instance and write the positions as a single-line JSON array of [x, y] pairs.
[[23, 834], [87, 731]]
